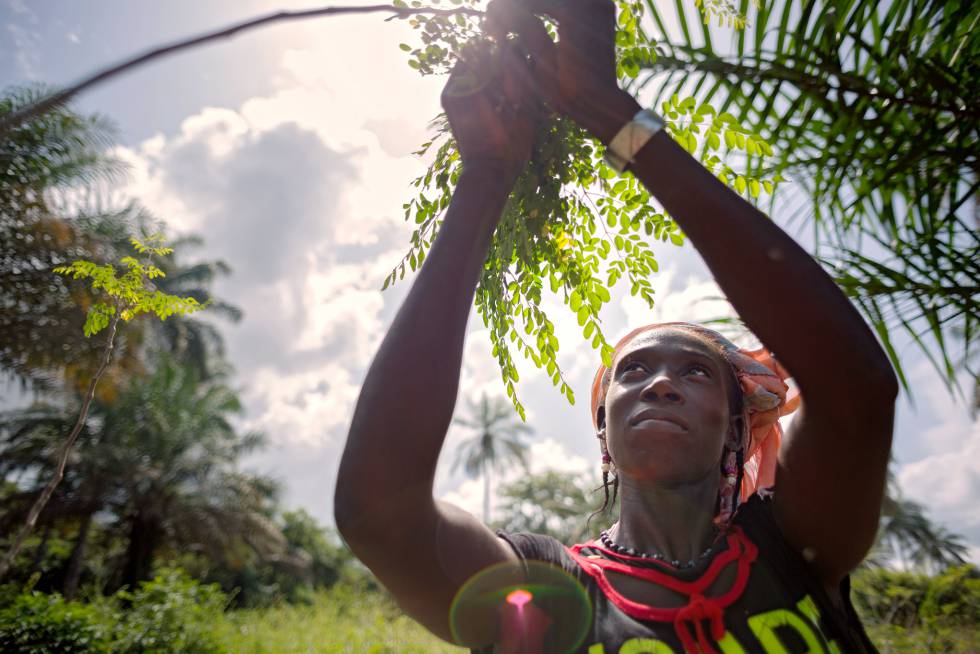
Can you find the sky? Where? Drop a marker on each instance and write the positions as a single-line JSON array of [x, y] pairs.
[[289, 149]]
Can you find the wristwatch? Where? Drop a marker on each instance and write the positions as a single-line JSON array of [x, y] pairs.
[[631, 138]]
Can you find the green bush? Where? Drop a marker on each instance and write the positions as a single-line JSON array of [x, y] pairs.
[[35, 623], [909, 600], [171, 614], [954, 597]]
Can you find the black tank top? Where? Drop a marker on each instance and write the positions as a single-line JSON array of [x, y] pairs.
[[764, 598]]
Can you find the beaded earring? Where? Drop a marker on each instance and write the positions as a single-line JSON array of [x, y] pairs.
[[729, 480]]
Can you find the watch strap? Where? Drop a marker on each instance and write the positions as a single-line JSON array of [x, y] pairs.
[[622, 149]]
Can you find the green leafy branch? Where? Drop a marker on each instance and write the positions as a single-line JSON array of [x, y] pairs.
[[131, 293], [571, 223], [128, 295], [725, 11]]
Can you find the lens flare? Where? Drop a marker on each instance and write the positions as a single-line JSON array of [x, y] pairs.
[[519, 597], [544, 609]]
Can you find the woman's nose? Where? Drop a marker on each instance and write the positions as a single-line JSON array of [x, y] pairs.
[[661, 388]]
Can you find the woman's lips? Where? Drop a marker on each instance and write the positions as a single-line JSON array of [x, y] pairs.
[[658, 420]]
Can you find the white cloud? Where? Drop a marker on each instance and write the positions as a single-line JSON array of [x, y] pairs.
[[944, 472], [307, 408]]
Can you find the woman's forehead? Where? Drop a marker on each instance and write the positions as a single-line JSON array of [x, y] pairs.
[[668, 340]]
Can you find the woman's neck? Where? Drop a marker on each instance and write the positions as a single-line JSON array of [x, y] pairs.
[[675, 521]]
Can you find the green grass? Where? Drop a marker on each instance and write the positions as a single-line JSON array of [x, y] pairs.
[[345, 620], [341, 620]]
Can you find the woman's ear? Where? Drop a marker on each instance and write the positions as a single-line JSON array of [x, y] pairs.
[[736, 431]]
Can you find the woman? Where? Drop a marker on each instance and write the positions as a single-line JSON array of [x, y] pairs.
[[684, 568]]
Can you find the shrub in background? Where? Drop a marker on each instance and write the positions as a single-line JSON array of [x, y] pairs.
[[34, 623], [170, 614], [911, 600], [913, 613]]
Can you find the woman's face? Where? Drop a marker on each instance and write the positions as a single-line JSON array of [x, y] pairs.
[[667, 410]]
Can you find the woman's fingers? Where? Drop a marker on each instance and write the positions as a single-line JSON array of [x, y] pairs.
[[509, 16], [505, 17], [490, 85], [519, 84]]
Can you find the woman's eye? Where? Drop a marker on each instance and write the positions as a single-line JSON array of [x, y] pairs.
[[699, 371], [631, 366]]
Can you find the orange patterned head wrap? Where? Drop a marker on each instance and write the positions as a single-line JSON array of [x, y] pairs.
[[765, 398]]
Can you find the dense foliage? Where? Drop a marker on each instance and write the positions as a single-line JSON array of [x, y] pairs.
[[40, 320], [35, 623], [908, 612]]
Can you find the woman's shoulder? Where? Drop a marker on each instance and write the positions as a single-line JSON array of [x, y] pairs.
[[535, 547]]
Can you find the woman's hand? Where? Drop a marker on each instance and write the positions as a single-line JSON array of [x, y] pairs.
[[493, 109], [577, 75]]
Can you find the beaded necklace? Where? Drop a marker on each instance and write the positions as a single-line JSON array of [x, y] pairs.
[[657, 556], [688, 620]]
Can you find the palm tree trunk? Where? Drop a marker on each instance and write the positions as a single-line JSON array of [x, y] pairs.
[[143, 536], [74, 571]]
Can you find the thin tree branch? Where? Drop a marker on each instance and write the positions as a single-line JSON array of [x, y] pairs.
[[48, 491], [13, 119]]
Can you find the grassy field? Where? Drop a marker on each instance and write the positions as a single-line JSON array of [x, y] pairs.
[[339, 621], [345, 621]]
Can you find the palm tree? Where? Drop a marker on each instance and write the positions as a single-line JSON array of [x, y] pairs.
[[41, 340], [29, 439], [497, 442], [160, 462], [872, 108], [179, 475], [40, 322], [907, 535], [550, 502]]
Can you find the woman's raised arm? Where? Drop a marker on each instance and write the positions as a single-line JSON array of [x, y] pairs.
[[833, 461], [421, 550]]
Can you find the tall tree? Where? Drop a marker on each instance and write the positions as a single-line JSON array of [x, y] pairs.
[[161, 464], [497, 441], [907, 536], [550, 502], [872, 109]]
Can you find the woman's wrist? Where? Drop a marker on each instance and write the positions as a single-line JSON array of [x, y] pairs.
[[480, 194], [493, 175], [603, 118]]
